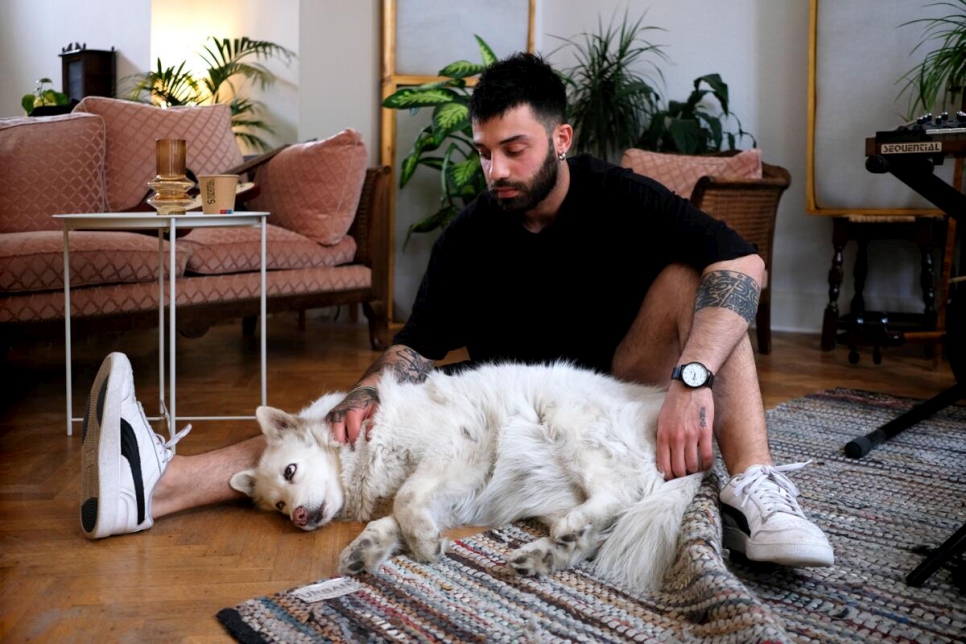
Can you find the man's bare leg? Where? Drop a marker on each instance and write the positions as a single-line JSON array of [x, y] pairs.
[[195, 481], [760, 514], [652, 346], [130, 474]]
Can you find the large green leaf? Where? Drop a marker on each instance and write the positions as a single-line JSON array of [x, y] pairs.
[[407, 168], [451, 117], [486, 54], [457, 83], [464, 173], [718, 87], [438, 219], [410, 97], [462, 69], [436, 163], [686, 134]]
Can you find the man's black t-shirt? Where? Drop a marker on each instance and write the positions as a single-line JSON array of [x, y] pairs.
[[570, 291]]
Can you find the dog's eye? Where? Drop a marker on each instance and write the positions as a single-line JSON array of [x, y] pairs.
[[290, 471], [281, 506]]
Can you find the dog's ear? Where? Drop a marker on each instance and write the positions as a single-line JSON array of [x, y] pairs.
[[274, 421], [244, 482]]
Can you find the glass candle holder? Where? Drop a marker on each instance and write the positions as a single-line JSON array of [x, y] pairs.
[[171, 184]]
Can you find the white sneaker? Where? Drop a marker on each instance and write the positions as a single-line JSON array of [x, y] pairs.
[[762, 520], [123, 457]]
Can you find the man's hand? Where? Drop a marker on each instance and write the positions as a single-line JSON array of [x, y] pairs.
[[684, 432], [346, 419]]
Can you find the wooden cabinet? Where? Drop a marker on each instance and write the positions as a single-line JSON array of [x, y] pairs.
[[88, 72]]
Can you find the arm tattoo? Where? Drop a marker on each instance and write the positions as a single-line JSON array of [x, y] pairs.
[[358, 398], [704, 418], [729, 290], [407, 366]]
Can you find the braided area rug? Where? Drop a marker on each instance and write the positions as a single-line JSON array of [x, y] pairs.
[[879, 512]]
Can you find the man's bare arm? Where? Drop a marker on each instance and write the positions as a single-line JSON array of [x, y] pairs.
[[729, 290], [404, 363], [346, 419], [726, 302]]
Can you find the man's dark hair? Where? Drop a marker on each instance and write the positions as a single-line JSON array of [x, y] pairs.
[[521, 79]]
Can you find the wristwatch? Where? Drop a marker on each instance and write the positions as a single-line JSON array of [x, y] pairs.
[[693, 374]]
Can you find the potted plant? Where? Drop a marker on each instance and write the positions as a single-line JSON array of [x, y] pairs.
[[609, 102], [937, 82], [446, 143], [695, 125], [42, 96], [228, 62]]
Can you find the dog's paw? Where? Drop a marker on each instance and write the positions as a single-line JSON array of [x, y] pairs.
[[352, 560], [573, 541], [535, 558], [369, 550], [427, 550]]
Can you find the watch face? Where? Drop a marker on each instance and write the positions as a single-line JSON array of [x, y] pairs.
[[694, 375]]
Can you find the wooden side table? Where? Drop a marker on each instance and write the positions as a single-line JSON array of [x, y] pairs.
[[163, 224], [928, 231]]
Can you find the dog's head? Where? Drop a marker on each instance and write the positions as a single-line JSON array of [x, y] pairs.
[[299, 473]]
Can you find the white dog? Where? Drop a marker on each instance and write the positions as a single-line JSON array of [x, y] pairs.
[[500, 443]]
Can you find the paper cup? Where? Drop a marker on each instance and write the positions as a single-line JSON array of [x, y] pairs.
[[217, 193]]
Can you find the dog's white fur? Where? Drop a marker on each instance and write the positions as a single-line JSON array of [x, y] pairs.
[[570, 447]]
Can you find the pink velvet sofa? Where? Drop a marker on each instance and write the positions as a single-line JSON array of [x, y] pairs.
[[327, 235]]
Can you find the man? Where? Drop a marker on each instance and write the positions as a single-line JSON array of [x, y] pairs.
[[561, 258]]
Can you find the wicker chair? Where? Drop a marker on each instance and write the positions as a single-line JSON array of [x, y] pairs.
[[750, 207]]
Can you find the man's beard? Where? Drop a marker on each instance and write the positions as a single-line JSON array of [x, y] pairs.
[[530, 195]]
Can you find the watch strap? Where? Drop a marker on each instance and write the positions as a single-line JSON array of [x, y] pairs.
[[678, 371]]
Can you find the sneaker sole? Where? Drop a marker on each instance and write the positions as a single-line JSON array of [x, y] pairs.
[[102, 450], [793, 555]]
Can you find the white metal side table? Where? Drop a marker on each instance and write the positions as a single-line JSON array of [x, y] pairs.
[[163, 224]]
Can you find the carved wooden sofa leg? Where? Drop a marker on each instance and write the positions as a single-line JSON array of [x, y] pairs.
[[249, 323], [378, 324]]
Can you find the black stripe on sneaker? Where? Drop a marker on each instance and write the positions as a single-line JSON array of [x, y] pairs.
[[129, 450], [87, 413], [89, 515], [99, 410], [740, 520]]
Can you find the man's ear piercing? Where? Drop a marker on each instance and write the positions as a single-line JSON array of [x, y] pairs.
[[562, 156]]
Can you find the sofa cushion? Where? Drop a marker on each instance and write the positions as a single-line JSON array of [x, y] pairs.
[[216, 251], [34, 261], [200, 290], [314, 188], [132, 129], [50, 165], [680, 172]]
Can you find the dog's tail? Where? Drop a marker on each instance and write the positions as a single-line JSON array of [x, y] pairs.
[[642, 543]]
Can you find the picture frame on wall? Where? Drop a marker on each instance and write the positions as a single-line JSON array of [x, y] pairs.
[[858, 53]]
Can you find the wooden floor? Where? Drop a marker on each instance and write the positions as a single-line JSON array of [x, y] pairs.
[[167, 583]]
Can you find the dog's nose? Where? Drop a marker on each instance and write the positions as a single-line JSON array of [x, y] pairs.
[[300, 517]]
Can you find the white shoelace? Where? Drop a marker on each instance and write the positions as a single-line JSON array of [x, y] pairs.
[[167, 446], [773, 491], [177, 437]]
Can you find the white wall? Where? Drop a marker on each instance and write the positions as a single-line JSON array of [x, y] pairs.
[[339, 85], [33, 32]]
